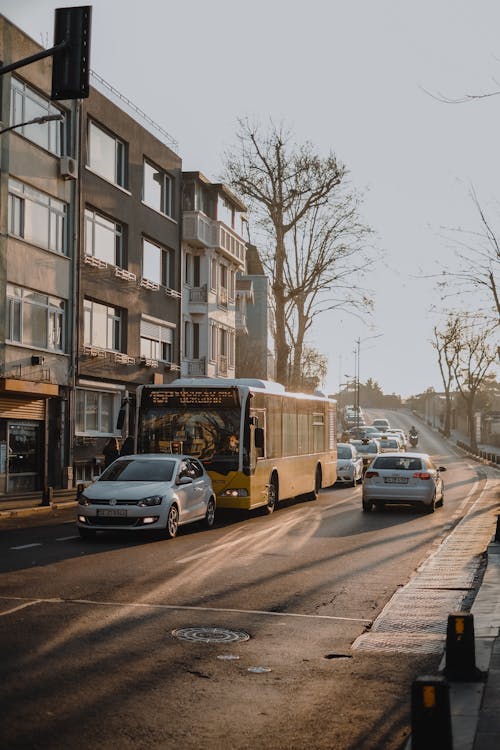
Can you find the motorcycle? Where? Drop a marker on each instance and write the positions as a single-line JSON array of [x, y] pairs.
[[414, 440]]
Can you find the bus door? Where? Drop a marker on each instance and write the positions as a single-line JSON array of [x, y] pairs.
[[257, 436]]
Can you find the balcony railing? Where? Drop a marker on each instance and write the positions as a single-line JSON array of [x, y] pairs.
[[198, 294], [222, 364], [222, 297], [196, 367]]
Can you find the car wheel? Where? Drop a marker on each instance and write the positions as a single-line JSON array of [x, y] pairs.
[[210, 514], [272, 495], [367, 506], [440, 502], [432, 507], [86, 533], [172, 525]]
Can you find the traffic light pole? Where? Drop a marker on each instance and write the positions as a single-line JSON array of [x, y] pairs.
[[33, 58]]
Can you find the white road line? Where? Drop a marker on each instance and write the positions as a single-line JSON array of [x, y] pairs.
[[20, 606], [183, 608], [66, 538], [27, 546]]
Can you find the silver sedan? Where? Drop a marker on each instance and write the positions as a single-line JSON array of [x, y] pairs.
[[349, 464], [144, 492], [403, 479]]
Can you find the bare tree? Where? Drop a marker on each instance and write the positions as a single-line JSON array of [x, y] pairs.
[[445, 344], [473, 359], [322, 269], [478, 265], [281, 182]]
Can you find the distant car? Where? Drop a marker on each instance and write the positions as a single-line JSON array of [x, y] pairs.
[[381, 424], [146, 492], [368, 448], [389, 443], [371, 431], [349, 464], [403, 479], [401, 434]]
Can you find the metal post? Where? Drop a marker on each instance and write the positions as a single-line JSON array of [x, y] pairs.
[[430, 714]]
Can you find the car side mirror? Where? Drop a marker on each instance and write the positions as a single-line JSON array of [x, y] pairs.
[[259, 437], [184, 480]]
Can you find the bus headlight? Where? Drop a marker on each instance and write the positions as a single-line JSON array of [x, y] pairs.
[[234, 493]]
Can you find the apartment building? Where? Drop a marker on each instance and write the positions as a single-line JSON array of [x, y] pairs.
[[213, 252], [129, 279], [38, 219]]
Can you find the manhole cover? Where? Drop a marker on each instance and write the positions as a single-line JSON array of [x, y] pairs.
[[210, 635]]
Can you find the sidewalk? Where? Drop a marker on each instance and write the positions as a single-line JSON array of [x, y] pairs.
[[32, 503]]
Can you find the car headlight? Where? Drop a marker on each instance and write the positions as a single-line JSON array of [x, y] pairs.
[[147, 502], [84, 500]]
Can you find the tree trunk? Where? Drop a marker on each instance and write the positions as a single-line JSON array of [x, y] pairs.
[[447, 415], [472, 426], [281, 346]]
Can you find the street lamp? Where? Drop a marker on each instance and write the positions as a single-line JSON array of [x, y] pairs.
[[35, 121], [357, 352]]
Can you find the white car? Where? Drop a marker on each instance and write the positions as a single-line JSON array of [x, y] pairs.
[[349, 464], [145, 492], [403, 479]]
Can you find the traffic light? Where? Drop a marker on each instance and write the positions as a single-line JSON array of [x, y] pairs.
[[71, 63]]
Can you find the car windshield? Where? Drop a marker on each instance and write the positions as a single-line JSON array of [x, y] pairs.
[[137, 470], [391, 444], [344, 451], [367, 448], [397, 462]]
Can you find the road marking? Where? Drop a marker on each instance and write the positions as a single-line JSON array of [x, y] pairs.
[[20, 606], [184, 608], [27, 546], [66, 538]]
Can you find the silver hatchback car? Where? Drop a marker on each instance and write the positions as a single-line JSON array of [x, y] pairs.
[[145, 492], [403, 479]]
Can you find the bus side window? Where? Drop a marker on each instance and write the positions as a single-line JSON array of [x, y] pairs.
[[259, 441]]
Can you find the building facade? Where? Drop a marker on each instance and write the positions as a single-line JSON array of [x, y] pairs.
[[214, 252], [129, 273], [38, 219]]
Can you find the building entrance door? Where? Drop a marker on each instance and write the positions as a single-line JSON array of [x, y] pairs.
[[24, 450]]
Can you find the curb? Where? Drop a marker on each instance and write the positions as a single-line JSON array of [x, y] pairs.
[[35, 510]]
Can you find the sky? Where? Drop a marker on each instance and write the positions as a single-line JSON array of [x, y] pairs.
[[359, 78]]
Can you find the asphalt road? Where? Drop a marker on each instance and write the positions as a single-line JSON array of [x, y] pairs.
[[90, 656]]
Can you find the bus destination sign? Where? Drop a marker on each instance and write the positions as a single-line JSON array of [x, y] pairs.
[[182, 397]]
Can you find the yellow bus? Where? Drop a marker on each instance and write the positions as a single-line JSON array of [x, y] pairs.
[[259, 443]]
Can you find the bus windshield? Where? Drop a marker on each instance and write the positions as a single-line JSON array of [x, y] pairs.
[[204, 423]]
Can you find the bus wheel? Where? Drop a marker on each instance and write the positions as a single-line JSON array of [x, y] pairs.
[[272, 495], [317, 486]]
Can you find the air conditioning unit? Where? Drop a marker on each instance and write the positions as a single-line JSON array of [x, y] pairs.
[[68, 168]]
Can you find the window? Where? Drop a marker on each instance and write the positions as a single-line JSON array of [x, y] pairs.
[[35, 319], [96, 412], [225, 212], [156, 340], [101, 326], [106, 155], [157, 189], [192, 270], [156, 263], [213, 274], [37, 217], [26, 104], [103, 238], [213, 342]]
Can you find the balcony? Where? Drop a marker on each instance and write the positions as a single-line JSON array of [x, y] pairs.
[[200, 231], [198, 295], [222, 365]]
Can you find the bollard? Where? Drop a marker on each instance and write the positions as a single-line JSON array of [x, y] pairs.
[[461, 649], [47, 495], [497, 530], [430, 714]]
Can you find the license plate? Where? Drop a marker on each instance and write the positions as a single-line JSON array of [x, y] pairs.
[[111, 513], [396, 480]]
